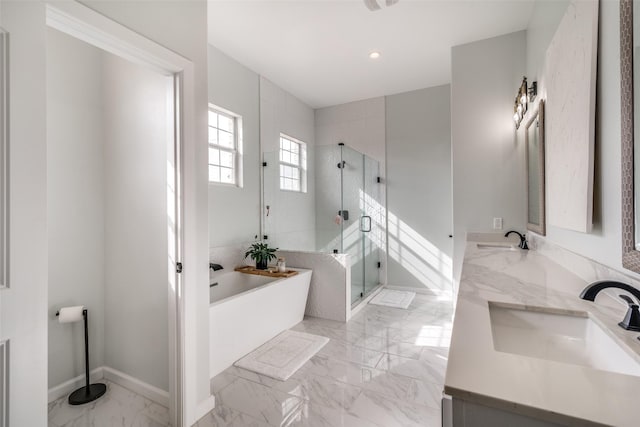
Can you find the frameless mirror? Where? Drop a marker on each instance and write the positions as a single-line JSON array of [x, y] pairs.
[[4, 162], [534, 141], [629, 85]]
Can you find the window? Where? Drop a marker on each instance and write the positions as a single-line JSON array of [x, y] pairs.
[[225, 147], [293, 164]]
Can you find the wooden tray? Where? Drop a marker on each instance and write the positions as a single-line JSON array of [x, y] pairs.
[[252, 270]]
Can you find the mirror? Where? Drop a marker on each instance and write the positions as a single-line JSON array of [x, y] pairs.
[[4, 163], [534, 142], [630, 235]]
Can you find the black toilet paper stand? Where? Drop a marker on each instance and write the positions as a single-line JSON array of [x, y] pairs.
[[89, 392]]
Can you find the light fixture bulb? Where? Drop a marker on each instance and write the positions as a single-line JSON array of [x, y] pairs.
[[374, 55], [523, 99], [516, 117], [519, 108]]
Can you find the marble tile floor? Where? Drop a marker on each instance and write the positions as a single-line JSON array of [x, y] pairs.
[[118, 407], [384, 368]]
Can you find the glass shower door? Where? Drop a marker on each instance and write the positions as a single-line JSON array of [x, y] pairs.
[[360, 232], [352, 173], [371, 216]]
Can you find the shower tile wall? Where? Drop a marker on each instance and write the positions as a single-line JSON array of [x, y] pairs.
[[327, 198]]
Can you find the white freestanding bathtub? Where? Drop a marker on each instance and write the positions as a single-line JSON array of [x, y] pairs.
[[247, 310]]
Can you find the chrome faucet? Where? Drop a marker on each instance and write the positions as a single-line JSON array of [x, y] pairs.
[[631, 321], [523, 240]]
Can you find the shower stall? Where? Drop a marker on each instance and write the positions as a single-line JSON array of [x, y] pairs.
[[339, 209]]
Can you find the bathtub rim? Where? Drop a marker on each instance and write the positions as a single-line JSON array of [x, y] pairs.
[[276, 280]]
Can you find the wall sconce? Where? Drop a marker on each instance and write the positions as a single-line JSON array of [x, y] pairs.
[[524, 96], [533, 91], [521, 103]]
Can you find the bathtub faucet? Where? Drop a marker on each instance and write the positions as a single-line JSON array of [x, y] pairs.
[[215, 267]]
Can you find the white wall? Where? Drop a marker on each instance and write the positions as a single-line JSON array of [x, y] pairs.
[[603, 244], [234, 212], [75, 200], [24, 305], [135, 161], [488, 163], [181, 26], [292, 215], [107, 221], [418, 127], [542, 26], [359, 124]]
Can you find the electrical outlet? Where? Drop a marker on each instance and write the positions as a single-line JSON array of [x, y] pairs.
[[497, 223]]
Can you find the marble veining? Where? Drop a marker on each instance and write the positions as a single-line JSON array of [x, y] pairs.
[[118, 407], [356, 379], [539, 388]]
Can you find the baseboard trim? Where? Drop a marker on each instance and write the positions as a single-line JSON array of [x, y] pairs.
[[152, 393], [67, 387]]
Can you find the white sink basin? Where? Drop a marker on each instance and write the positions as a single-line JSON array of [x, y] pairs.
[[505, 246], [544, 334]]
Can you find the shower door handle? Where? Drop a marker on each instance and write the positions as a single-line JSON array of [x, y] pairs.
[[365, 223]]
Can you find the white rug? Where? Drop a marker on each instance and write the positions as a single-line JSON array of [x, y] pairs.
[[282, 356], [391, 298]]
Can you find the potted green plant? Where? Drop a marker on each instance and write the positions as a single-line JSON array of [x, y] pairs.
[[261, 253]]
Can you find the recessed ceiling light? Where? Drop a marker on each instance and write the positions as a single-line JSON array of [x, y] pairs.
[[374, 55]]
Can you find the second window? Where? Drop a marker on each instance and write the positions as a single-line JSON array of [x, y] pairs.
[[293, 164]]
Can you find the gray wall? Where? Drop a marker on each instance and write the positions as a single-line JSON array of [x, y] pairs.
[[136, 221], [234, 213], [488, 163], [107, 211], [292, 217], [75, 199], [419, 189], [266, 110]]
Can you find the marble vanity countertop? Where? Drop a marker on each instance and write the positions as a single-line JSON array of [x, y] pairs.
[[552, 391]]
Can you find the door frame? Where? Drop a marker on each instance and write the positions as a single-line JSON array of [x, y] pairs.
[[95, 29]]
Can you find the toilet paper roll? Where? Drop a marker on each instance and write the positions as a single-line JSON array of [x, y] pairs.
[[70, 314]]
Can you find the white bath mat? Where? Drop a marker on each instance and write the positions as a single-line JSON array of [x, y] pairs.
[[390, 298], [282, 356]]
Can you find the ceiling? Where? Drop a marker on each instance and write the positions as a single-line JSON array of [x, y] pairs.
[[318, 50]]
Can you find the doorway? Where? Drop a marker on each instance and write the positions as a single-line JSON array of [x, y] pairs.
[[114, 136]]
